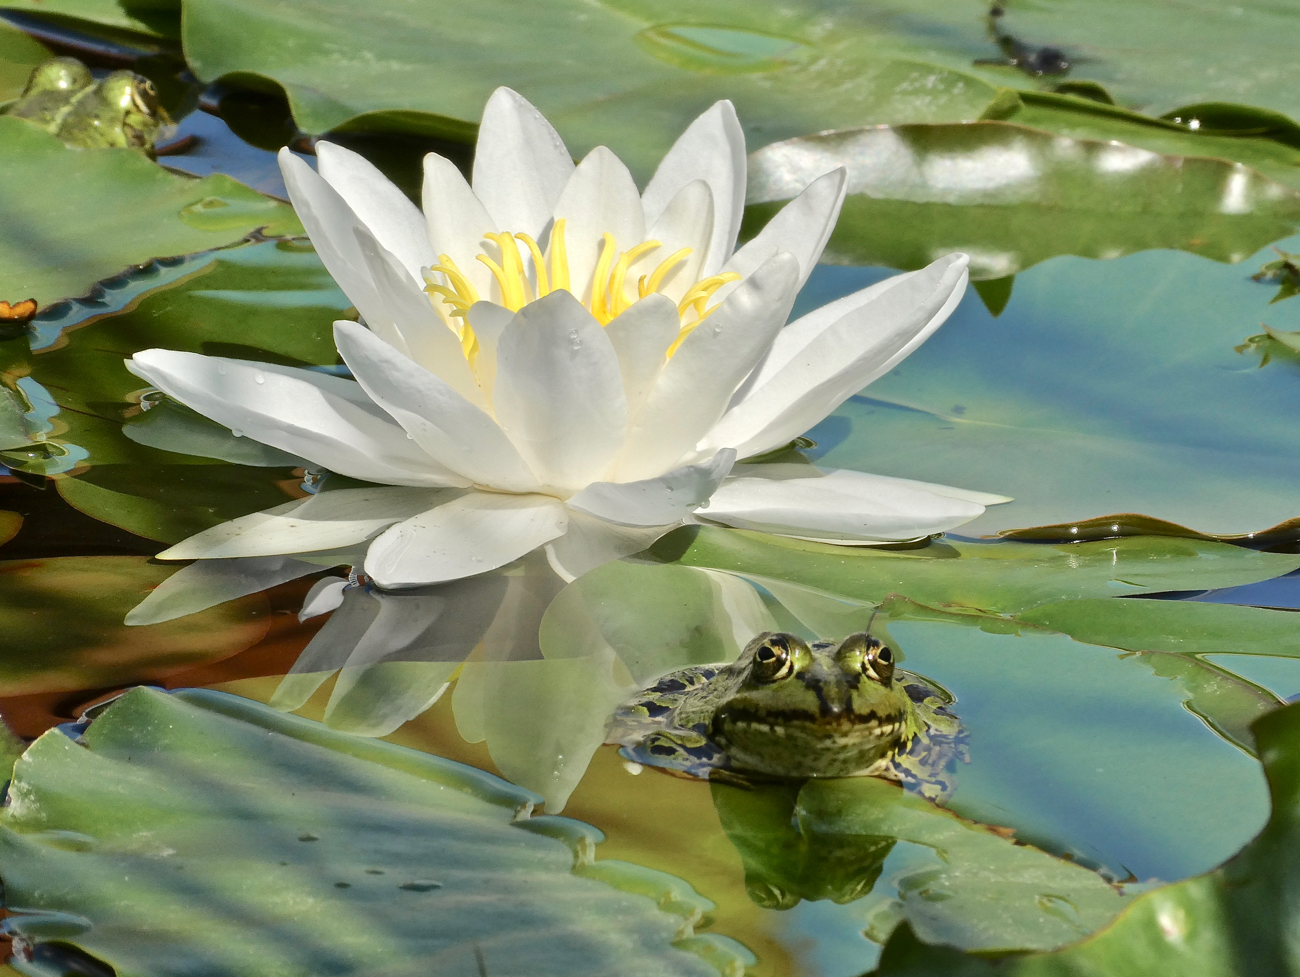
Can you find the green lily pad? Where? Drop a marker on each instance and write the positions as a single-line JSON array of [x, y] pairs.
[[1266, 141], [75, 216], [154, 18], [1103, 387], [1011, 197], [628, 75], [1233, 920], [1001, 578], [204, 832], [62, 624], [893, 856]]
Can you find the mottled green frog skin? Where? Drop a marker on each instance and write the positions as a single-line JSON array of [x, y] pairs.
[[63, 98], [787, 708]]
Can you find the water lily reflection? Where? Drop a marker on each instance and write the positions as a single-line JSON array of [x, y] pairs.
[[551, 359]]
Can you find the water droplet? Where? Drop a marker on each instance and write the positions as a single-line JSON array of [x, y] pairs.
[[705, 503], [717, 329], [259, 377], [410, 436], [238, 434], [574, 339], [476, 559], [221, 368]]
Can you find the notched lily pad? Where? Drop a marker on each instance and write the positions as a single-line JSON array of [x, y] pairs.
[[229, 839]]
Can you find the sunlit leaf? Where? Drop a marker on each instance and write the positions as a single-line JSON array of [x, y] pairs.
[[61, 621], [1011, 197], [75, 216], [207, 833], [1231, 921]]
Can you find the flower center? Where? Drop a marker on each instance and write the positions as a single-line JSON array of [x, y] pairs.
[[519, 285]]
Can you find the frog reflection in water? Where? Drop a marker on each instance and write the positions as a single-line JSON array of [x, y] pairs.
[[63, 98], [791, 709]]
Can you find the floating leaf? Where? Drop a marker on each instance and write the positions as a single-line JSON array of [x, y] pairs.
[[75, 216], [1011, 197], [955, 882], [1233, 920], [1003, 578], [203, 832]]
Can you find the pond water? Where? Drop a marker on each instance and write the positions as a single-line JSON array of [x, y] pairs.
[[1106, 681]]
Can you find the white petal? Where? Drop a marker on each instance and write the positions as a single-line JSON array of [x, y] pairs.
[[330, 224], [591, 542], [837, 505], [202, 585], [328, 649], [420, 332], [520, 164], [559, 393], [476, 532], [641, 337], [456, 220], [325, 521], [442, 422], [326, 419], [792, 340], [840, 360], [687, 222], [696, 384], [382, 208], [660, 501], [489, 321], [600, 198], [802, 227], [711, 149], [326, 595], [951, 492]]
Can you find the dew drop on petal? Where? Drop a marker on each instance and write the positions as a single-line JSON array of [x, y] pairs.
[[221, 368], [574, 339], [236, 433], [259, 377]]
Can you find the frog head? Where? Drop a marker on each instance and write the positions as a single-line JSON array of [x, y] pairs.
[[122, 111], [67, 75], [823, 709]]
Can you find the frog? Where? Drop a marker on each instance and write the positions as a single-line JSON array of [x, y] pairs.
[[64, 99], [787, 708]]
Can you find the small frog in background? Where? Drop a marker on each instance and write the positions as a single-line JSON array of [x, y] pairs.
[[63, 98]]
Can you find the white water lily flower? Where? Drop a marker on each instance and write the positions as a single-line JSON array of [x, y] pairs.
[[551, 359]]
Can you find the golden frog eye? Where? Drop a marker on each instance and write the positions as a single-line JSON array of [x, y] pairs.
[[878, 663], [772, 660]]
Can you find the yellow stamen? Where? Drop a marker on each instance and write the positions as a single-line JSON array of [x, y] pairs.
[[539, 266], [559, 258], [668, 264], [700, 293], [510, 273], [618, 302], [598, 288]]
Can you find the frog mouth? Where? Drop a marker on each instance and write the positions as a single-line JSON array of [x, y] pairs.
[[801, 724]]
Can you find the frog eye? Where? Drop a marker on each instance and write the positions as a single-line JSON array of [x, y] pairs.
[[772, 661], [878, 664]]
